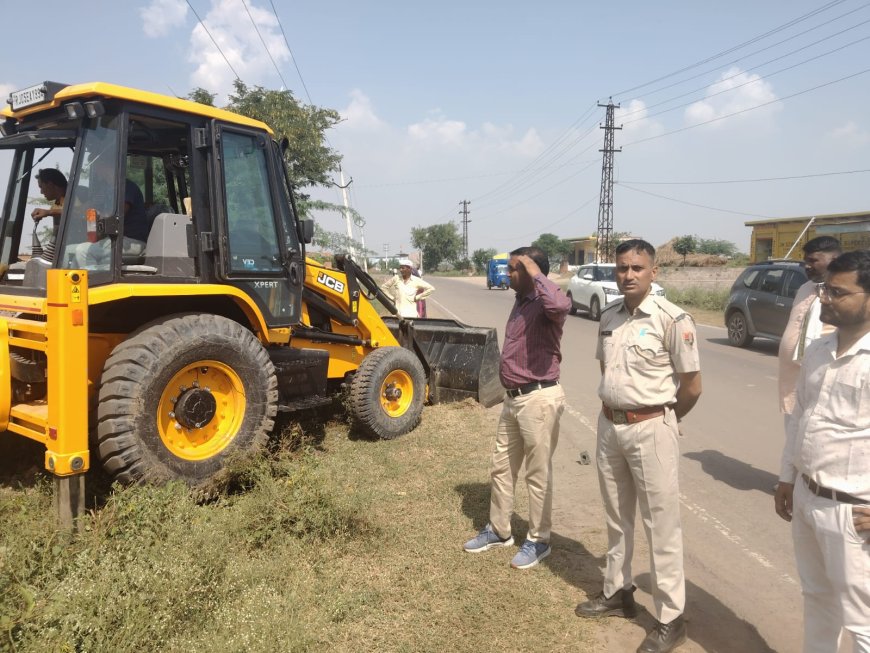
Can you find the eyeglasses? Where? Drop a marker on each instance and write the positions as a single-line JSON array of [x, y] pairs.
[[826, 292]]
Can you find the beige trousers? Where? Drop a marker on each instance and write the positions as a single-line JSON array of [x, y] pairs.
[[528, 430], [637, 464]]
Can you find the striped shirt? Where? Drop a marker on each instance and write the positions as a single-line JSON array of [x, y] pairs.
[[532, 337]]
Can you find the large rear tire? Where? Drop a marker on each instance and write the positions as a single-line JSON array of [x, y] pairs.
[[386, 394], [180, 396]]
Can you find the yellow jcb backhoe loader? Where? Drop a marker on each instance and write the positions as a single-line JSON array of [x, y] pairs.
[[169, 310]]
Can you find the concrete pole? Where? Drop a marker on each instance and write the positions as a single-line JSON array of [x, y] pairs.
[[347, 219]]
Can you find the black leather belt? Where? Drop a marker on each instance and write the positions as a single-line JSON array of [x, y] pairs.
[[530, 387], [827, 493]]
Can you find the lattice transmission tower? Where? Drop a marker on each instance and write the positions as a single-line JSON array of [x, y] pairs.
[[605, 245]]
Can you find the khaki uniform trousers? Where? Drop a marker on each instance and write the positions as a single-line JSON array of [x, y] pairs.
[[834, 565], [637, 464], [527, 430]]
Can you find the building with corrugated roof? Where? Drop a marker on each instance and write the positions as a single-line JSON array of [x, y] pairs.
[[784, 237]]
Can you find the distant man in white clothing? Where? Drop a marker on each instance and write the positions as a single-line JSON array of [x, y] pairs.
[[824, 483], [406, 290], [803, 322]]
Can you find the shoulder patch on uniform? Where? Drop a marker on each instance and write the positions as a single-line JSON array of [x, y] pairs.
[[612, 305], [681, 316]]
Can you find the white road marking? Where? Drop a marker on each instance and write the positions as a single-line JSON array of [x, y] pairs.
[[728, 534]]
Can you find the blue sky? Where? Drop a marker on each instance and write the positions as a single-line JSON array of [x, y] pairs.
[[494, 102]]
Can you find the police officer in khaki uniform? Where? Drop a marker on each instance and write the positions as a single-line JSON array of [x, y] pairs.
[[651, 377]]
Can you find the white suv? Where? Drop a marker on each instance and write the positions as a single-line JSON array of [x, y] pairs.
[[594, 286]]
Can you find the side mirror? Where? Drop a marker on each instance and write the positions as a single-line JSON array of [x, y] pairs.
[[306, 231], [588, 277]]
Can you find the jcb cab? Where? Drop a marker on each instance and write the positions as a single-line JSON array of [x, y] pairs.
[[170, 310]]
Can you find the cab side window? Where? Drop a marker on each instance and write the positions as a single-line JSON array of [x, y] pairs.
[[251, 230]]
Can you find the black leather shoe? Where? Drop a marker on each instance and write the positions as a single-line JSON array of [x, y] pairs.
[[621, 604], [664, 637]]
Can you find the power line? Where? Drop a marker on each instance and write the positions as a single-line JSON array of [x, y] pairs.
[[292, 57], [718, 55], [753, 108], [265, 47], [743, 181], [767, 76], [213, 40], [702, 206]]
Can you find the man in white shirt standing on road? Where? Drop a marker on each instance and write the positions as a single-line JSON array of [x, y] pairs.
[[824, 483], [803, 322]]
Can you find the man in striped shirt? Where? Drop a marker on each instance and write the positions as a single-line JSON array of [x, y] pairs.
[[528, 429]]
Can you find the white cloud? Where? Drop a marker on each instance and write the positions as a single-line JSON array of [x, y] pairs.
[[231, 27], [360, 113], [851, 134], [159, 17], [635, 122], [734, 92], [439, 131]]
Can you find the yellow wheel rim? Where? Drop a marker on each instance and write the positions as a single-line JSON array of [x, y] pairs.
[[184, 436], [397, 393]]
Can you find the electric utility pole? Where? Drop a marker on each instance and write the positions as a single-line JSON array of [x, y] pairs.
[[604, 253], [465, 222], [346, 211]]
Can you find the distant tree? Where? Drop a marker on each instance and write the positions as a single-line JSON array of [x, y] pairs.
[[481, 258], [556, 249], [685, 245], [716, 247], [439, 242], [202, 96]]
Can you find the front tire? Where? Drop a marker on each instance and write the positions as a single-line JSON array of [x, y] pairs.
[[180, 396], [386, 394], [738, 330]]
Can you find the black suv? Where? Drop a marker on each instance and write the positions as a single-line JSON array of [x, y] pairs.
[[761, 300]]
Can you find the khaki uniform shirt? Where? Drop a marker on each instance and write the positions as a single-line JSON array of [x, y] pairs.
[[643, 352]]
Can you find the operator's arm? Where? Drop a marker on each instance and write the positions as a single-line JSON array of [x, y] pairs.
[[53, 211], [688, 392]]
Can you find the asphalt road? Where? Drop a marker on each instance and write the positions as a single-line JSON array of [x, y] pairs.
[[742, 586]]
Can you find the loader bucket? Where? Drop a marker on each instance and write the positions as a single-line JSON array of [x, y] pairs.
[[462, 360]]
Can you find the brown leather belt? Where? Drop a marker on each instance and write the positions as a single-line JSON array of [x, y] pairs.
[[618, 416], [827, 493]]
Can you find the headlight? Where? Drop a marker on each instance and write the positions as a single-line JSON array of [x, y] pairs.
[[611, 291], [660, 292]]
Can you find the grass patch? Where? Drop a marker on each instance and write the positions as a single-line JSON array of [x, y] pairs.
[[351, 544], [709, 300]]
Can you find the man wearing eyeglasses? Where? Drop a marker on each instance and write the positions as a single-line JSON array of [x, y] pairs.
[[803, 324], [824, 483]]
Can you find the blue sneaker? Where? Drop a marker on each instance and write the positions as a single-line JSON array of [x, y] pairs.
[[485, 540], [530, 554]]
